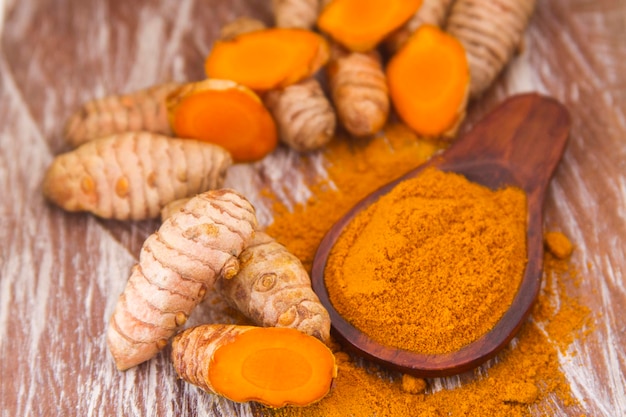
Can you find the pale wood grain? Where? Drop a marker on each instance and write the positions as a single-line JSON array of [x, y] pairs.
[[60, 274]]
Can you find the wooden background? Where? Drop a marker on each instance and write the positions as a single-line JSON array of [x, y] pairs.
[[61, 274]]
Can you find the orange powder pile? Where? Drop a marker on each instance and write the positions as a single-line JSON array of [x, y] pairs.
[[523, 380]]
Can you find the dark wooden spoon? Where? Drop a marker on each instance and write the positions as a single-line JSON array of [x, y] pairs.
[[519, 143]]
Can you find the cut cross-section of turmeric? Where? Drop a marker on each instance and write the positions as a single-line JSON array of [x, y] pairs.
[[224, 113], [267, 59], [360, 25], [272, 366], [428, 82]]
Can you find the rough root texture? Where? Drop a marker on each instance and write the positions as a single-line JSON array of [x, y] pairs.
[[273, 289], [143, 110], [178, 264], [359, 90], [133, 175], [491, 32], [272, 366], [303, 114], [295, 13]]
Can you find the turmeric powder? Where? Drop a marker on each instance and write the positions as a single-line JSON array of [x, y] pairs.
[[524, 380], [438, 258]]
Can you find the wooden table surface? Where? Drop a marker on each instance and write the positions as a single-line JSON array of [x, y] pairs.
[[61, 274]]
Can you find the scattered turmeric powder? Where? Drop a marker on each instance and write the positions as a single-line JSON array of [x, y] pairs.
[[491, 32], [361, 389], [272, 366], [224, 113], [268, 59], [438, 258], [428, 82], [133, 175], [142, 110], [431, 12], [358, 87], [178, 264], [273, 289], [360, 25]]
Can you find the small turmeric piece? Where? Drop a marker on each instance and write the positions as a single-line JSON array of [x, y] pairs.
[[360, 25], [267, 59], [273, 366], [558, 244], [224, 113], [273, 289], [133, 175], [304, 116], [428, 82], [142, 110], [359, 91], [295, 13], [491, 32], [178, 264], [431, 12]]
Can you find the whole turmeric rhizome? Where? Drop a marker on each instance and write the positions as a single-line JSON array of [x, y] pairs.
[[432, 265]]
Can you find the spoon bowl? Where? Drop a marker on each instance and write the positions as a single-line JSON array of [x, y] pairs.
[[520, 144]]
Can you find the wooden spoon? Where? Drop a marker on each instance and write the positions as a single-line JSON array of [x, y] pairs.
[[519, 143]]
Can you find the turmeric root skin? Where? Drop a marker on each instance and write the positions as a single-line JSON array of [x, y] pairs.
[[304, 116], [272, 366], [178, 264], [295, 13], [133, 175], [143, 110], [491, 32], [273, 289], [359, 91]]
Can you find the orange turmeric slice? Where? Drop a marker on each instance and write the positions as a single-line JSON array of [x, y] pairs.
[[267, 59], [360, 25], [270, 365], [428, 82], [224, 113]]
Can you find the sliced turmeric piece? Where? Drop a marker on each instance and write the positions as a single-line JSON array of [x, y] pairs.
[[360, 25], [267, 59], [273, 289], [131, 176], [142, 110], [224, 113], [272, 366], [428, 82], [178, 264], [491, 32]]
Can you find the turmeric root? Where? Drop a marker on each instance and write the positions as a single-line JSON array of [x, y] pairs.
[[143, 110], [491, 32], [431, 12], [273, 366], [295, 13], [273, 289], [226, 114], [303, 114], [133, 175], [359, 90], [267, 59], [178, 264], [360, 25], [428, 82], [240, 25]]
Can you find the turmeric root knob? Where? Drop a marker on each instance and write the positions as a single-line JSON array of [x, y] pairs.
[[275, 367], [142, 110], [133, 175], [178, 264], [295, 13], [273, 289]]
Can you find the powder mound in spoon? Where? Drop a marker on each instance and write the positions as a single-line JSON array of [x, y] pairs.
[[432, 265]]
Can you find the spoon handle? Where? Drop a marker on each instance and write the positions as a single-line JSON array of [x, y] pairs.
[[527, 134]]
